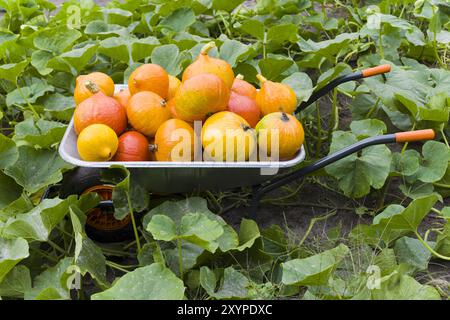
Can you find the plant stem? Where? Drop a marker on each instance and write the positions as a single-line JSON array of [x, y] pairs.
[[312, 223], [133, 221], [429, 248], [116, 266], [319, 131]]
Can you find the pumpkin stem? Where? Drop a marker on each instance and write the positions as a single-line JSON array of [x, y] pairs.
[[245, 127], [91, 86], [163, 102], [153, 147], [240, 77], [261, 78], [284, 117], [207, 47]]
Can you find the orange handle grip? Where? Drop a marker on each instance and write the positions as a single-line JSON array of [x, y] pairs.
[[384, 68], [418, 135]]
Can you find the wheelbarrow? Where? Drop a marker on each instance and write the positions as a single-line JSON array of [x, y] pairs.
[[182, 177]]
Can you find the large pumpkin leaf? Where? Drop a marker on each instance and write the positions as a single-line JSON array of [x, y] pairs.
[[56, 39], [11, 71], [436, 157], [49, 285], [175, 210], [29, 94], [234, 51], [314, 270], [357, 173], [234, 285], [38, 222], [128, 49], [42, 133], [36, 169], [88, 256], [10, 191], [412, 252], [12, 251], [73, 61], [168, 56], [179, 20], [16, 282], [153, 282], [8, 152]]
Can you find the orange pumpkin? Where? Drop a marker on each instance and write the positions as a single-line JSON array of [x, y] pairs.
[[226, 136], [122, 97], [174, 141], [274, 97], [149, 77], [245, 107], [103, 82], [100, 109], [133, 146], [201, 96], [242, 87], [289, 131], [146, 111], [206, 64]]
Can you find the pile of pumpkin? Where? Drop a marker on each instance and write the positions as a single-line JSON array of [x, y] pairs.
[[137, 124]]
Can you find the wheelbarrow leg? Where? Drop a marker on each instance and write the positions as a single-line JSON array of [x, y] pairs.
[[409, 136]]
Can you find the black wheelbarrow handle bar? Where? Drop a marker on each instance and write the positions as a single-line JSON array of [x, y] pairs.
[[342, 79], [408, 136]]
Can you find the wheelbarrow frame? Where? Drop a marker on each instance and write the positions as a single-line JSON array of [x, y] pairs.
[[267, 184]]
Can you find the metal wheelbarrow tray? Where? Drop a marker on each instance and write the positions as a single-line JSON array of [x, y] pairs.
[[180, 177]]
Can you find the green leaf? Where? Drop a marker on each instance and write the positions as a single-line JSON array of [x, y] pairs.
[[100, 27], [56, 39], [73, 61], [436, 156], [443, 239], [40, 133], [36, 169], [234, 285], [253, 27], [301, 83], [328, 48], [128, 49], [49, 285], [40, 59], [273, 66], [59, 106], [179, 20], [153, 282], [281, 33], [88, 256], [9, 191], [400, 287], [125, 187], [357, 173], [39, 221], [314, 270], [248, 233], [12, 70], [395, 217], [176, 210], [168, 56], [234, 51], [162, 228], [228, 5], [405, 163], [412, 252], [16, 282], [11, 253], [368, 128], [30, 94], [8, 152]]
